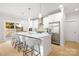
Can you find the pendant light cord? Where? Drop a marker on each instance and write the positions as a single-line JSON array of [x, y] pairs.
[[29, 12], [40, 7], [40, 14]]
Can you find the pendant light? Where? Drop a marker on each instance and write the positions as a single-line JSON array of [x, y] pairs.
[[40, 14], [29, 18]]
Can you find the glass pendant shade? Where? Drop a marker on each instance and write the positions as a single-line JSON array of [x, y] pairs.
[[29, 18], [40, 15]]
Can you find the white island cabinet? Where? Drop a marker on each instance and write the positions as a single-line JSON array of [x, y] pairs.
[[45, 46]]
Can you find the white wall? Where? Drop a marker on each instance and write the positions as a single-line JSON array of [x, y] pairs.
[[1, 30], [62, 26], [5, 18]]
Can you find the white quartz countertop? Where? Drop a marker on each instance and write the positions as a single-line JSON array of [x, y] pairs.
[[33, 34]]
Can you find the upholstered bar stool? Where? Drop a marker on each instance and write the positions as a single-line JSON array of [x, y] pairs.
[[31, 49], [22, 43], [15, 40], [18, 42], [25, 46]]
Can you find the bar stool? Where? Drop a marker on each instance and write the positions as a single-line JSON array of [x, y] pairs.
[[18, 42], [24, 46], [31, 46], [14, 41], [22, 43]]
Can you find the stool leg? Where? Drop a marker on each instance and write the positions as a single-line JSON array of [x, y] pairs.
[[32, 51], [19, 48], [39, 50], [25, 50]]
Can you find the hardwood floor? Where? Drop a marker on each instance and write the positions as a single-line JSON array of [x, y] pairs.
[[1, 41], [7, 50], [69, 49]]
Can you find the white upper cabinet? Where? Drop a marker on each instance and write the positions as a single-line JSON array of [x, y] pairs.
[[51, 18]]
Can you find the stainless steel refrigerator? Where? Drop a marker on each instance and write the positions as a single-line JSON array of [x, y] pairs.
[[54, 30]]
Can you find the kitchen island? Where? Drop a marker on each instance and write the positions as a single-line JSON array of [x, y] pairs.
[[45, 46]]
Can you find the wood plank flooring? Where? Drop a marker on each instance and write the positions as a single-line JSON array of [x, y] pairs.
[[69, 49], [7, 50]]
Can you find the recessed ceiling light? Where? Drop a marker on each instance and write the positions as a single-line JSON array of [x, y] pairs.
[[76, 9]]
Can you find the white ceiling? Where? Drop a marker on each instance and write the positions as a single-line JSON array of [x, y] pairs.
[[21, 9]]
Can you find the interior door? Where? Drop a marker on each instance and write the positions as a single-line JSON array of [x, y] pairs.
[[71, 31]]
